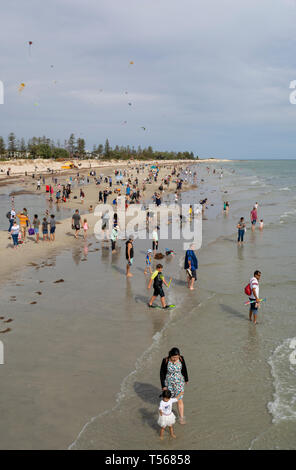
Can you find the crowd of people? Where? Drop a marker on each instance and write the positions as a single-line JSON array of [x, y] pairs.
[[126, 183]]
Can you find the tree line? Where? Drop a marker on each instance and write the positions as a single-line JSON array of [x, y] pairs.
[[43, 147]]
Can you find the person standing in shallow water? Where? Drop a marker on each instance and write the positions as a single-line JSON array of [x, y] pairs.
[[241, 226], [254, 297], [254, 217], [173, 377], [129, 254]]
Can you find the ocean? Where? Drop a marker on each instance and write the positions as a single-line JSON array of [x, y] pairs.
[[83, 363]]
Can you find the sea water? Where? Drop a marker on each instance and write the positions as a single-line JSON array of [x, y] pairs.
[[242, 386], [90, 349]]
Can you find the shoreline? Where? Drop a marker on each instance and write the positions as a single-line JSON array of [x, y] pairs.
[[47, 329], [41, 165]]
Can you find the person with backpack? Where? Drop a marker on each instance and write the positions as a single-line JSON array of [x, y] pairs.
[[252, 290]]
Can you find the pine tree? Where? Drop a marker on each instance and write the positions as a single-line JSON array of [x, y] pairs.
[[11, 144], [2, 147], [80, 148], [71, 145], [107, 149], [100, 149]]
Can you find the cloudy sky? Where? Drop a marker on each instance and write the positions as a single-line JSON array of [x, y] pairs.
[[208, 76]]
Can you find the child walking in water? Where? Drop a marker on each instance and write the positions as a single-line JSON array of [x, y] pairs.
[[158, 278], [166, 415], [85, 228]]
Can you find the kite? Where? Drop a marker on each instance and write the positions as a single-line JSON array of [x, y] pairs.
[[129, 104], [124, 122], [131, 62], [144, 128], [30, 44], [21, 87]]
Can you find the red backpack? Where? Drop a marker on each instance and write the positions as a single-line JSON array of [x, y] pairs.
[[248, 290]]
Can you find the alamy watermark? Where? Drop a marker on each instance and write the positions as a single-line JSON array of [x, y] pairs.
[[292, 97], [292, 357], [1, 353], [172, 222], [1, 92]]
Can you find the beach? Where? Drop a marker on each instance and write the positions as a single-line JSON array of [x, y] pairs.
[[82, 355]]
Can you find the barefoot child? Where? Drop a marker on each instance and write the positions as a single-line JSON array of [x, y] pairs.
[[148, 262], [158, 278], [166, 415], [85, 228], [45, 229]]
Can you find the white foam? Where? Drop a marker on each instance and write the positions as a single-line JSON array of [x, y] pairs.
[[283, 370], [125, 385]]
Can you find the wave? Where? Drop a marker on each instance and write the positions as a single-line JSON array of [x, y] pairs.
[[128, 380], [283, 370]]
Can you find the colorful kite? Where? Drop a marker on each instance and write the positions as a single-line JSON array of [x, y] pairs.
[[21, 87]]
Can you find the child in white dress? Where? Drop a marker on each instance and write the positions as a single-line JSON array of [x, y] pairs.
[[166, 415]]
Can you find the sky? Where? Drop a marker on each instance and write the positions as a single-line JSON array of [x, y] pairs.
[[211, 77]]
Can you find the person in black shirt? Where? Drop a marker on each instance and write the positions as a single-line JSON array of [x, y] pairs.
[[129, 254], [174, 376]]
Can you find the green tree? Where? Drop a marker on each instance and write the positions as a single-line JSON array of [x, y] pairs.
[[100, 149], [71, 145], [59, 153], [11, 144], [107, 149], [44, 151], [80, 148], [2, 146], [22, 146]]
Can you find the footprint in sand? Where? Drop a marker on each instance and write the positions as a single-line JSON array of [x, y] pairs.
[[2, 318], [5, 331], [38, 292], [8, 321], [59, 280], [33, 303]]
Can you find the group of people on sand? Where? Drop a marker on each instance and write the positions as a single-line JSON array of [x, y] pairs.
[[18, 229]]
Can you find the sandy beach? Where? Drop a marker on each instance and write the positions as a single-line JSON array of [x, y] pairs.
[[82, 350], [12, 261]]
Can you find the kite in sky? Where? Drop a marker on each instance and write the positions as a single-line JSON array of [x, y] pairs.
[[129, 104], [21, 87], [131, 62], [144, 128], [30, 44]]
